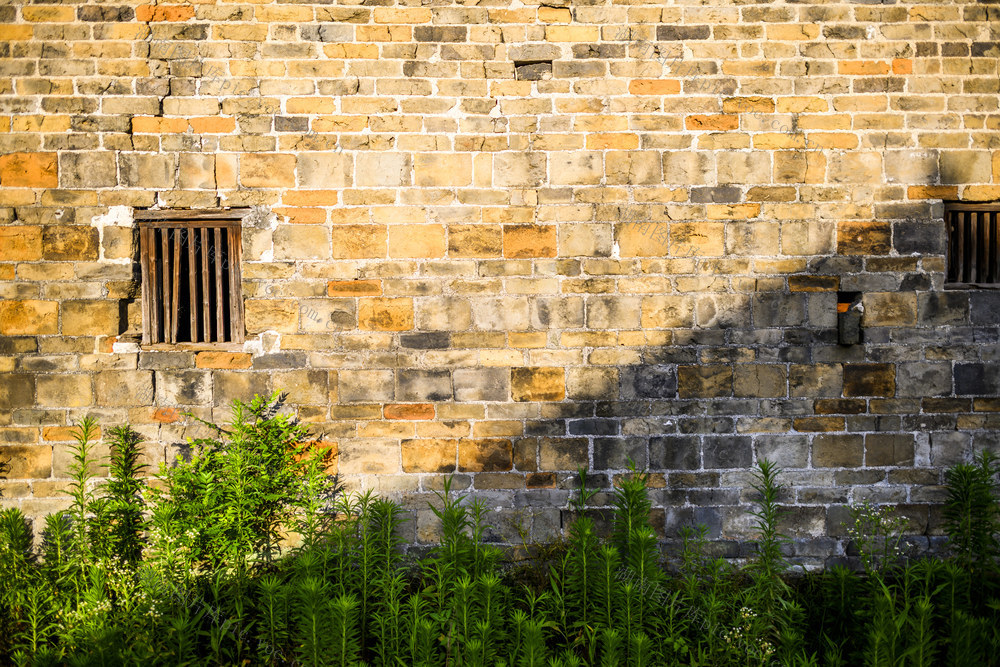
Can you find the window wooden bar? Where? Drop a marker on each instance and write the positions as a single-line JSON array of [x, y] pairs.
[[192, 284], [220, 326], [175, 313], [206, 322], [973, 253]]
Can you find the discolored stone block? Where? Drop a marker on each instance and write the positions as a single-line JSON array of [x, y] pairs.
[[69, 244], [27, 461], [648, 382], [29, 317], [366, 386], [760, 381], [837, 451], [869, 380], [64, 390], [423, 385], [890, 309], [90, 318], [726, 451], [704, 381], [482, 384], [562, 453], [486, 455], [385, 314], [538, 384], [429, 455], [977, 379], [678, 452], [124, 388], [889, 449], [183, 387], [16, 390]]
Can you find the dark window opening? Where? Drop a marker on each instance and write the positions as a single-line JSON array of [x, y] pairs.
[[973, 258], [191, 282]]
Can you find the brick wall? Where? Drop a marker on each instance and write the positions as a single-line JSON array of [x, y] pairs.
[[502, 243]]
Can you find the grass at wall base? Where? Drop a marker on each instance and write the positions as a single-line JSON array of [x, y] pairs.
[[193, 573]]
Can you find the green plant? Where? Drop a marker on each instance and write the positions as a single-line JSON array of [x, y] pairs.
[[125, 504], [876, 534], [84, 502], [971, 510], [228, 504]]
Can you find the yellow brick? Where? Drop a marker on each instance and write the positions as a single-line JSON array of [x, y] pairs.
[[404, 15], [792, 31], [704, 239], [574, 33], [416, 241], [831, 140], [384, 314], [554, 15], [732, 211], [777, 140], [801, 104], [36, 14]]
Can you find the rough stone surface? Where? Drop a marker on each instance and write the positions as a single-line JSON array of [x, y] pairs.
[[508, 243]]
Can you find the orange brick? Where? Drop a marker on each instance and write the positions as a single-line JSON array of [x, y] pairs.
[[902, 66], [416, 241], [354, 288], [383, 314], [166, 415], [654, 86], [29, 317], [303, 216], [147, 13], [719, 122], [932, 192], [29, 170], [157, 125], [529, 241], [310, 197], [212, 125], [219, 359], [862, 67], [408, 411], [608, 140], [20, 243], [63, 433]]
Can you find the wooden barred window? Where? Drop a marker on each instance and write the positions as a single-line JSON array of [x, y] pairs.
[[973, 245], [191, 282]]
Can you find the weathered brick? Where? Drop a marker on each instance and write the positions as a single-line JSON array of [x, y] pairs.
[[64, 390], [869, 380], [429, 455], [704, 381], [89, 318], [30, 317], [538, 384], [485, 455], [20, 243], [69, 243], [28, 170], [27, 461], [837, 451]]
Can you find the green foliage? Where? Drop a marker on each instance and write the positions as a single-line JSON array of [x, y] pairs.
[[215, 585], [876, 534], [125, 504], [226, 505], [971, 510]]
